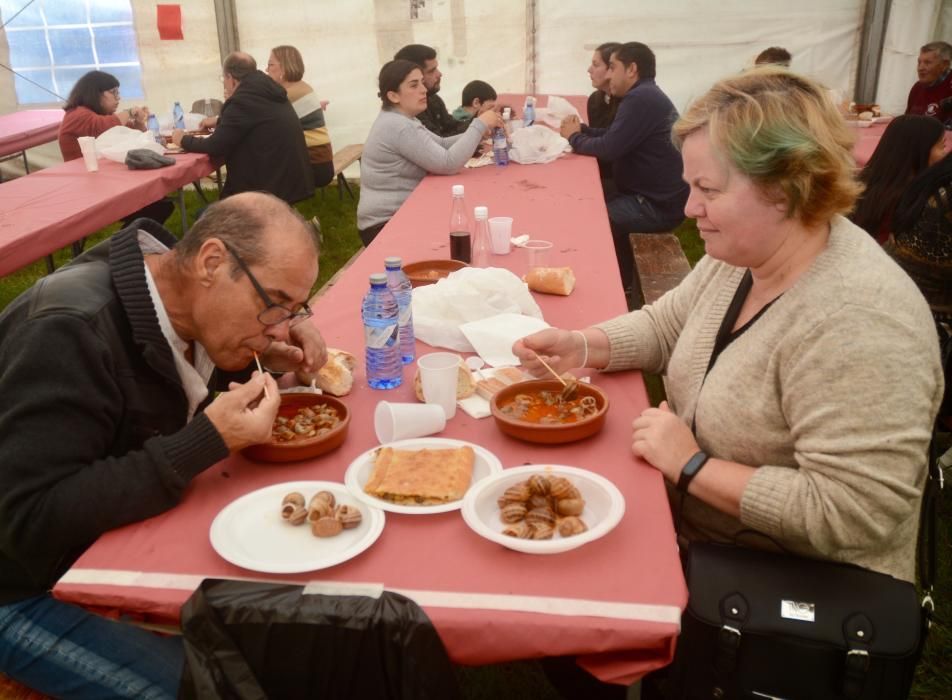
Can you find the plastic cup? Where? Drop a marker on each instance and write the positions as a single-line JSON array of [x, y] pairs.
[[402, 421], [439, 373], [538, 253], [87, 144], [500, 230]]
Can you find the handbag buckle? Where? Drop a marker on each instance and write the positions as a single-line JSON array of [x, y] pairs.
[[732, 641], [858, 659]]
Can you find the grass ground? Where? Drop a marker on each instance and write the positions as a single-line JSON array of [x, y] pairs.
[[525, 680]]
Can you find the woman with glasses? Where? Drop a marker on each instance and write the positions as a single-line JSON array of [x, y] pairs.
[[93, 108]]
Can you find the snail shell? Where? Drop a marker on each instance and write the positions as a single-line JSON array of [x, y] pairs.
[[560, 487], [520, 530], [319, 510], [297, 515], [294, 499], [326, 527], [513, 512], [540, 515], [571, 506], [543, 531], [519, 493], [539, 484], [572, 525], [323, 497], [349, 516], [538, 501]]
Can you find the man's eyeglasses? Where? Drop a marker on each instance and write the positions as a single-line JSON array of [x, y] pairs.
[[115, 92], [273, 313]]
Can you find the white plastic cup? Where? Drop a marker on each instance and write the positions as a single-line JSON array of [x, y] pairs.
[[538, 252], [439, 373], [402, 421], [87, 144], [500, 231]]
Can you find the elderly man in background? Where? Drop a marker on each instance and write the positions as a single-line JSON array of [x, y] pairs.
[[774, 56], [649, 193], [257, 134], [931, 95], [109, 369], [436, 118]]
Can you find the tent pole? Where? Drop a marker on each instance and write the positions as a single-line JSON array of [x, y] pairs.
[[226, 17], [871, 50], [531, 47]]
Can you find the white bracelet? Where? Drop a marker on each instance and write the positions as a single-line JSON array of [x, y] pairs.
[[585, 344]]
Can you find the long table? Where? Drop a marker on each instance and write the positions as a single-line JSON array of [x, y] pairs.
[[615, 603], [51, 208], [31, 127]]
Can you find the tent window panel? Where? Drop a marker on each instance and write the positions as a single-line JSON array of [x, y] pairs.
[[116, 44], [71, 47], [55, 42]]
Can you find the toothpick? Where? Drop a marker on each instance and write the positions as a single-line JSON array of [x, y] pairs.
[[258, 362]]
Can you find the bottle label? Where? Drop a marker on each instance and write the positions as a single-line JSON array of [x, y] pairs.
[[378, 338]]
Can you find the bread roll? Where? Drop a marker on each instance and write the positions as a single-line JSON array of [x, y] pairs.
[[465, 383], [336, 377], [551, 280]]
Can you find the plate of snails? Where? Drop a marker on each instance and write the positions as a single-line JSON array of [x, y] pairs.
[[294, 527]]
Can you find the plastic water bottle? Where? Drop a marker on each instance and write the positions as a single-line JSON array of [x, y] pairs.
[[178, 116], [208, 111], [399, 285], [528, 112], [482, 246], [459, 227], [381, 318], [154, 129], [500, 146]]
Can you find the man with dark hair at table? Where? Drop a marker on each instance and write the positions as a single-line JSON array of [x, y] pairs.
[[109, 370], [257, 134], [931, 95], [775, 56], [478, 97], [649, 194], [436, 118]]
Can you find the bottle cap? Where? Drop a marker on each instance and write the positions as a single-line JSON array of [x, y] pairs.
[[506, 112], [457, 190], [481, 212], [393, 261], [378, 278]]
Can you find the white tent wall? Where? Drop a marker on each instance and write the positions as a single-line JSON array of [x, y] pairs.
[[912, 23]]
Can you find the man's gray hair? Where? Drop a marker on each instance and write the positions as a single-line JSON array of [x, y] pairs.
[[943, 48]]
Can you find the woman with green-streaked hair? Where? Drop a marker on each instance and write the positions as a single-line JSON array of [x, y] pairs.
[[802, 365]]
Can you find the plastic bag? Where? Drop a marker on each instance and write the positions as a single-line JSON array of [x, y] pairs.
[[116, 142], [537, 144], [467, 295], [263, 640]]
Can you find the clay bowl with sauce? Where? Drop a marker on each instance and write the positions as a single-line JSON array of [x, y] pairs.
[[306, 447], [529, 429], [431, 271]]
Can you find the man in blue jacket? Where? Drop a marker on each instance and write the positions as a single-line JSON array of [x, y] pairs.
[[649, 194]]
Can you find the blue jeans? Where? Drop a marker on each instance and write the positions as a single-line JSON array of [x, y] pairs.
[[632, 213], [61, 650]]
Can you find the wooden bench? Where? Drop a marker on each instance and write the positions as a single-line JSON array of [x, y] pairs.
[[346, 156], [660, 265]]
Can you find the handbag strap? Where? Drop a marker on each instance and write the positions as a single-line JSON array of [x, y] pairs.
[[928, 518]]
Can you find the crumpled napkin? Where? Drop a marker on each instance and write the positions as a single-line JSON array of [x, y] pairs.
[[467, 295], [556, 109], [492, 337], [116, 142], [537, 144]]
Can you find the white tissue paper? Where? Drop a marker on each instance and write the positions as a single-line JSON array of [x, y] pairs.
[[114, 143], [537, 144], [492, 337], [557, 108], [467, 295]]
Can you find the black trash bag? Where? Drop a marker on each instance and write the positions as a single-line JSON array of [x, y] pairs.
[[144, 159], [259, 640]]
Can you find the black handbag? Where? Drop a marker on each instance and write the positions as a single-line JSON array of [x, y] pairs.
[[764, 624]]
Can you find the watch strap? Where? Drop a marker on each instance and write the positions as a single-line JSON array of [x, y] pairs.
[[690, 470]]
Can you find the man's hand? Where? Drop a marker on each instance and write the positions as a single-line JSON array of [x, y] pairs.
[[306, 350], [663, 440], [177, 135], [243, 415], [208, 123], [570, 125]]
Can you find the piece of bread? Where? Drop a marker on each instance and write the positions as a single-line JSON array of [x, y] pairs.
[[509, 375], [551, 280], [488, 387], [465, 383], [421, 477], [336, 377]]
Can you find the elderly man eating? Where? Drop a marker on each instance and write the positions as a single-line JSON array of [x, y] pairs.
[[109, 370], [931, 95]]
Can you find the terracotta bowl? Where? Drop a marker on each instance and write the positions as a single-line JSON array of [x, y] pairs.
[[431, 271], [548, 434], [274, 451]]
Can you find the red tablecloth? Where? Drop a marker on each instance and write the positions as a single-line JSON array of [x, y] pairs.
[[46, 210], [617, 601], [32, 127], [867, 139]]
